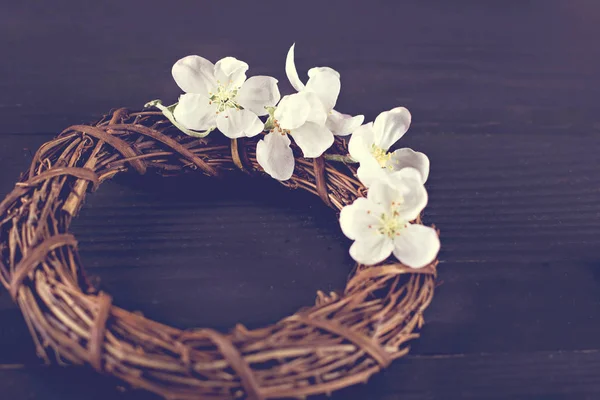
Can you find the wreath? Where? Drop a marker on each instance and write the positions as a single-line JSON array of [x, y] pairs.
[[340, 341]]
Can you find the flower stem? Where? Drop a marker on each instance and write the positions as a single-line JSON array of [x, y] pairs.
[[346, 159], [270, 124], [168, 112]]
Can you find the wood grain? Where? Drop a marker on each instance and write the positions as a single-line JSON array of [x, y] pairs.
[[537, 375], [481, 67], [504, 97]]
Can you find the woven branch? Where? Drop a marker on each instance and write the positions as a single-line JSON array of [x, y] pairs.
[[340, 341]]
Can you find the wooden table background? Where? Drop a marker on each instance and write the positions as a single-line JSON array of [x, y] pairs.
[[505, 98]]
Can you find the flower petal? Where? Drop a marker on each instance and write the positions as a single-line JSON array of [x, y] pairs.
[[406, 157], [313, 139], [372, 249], [293, 110], [359, 218], [401, 192], [236, 123], [343, 124], [317, 113], [195, 112], [257, 127], [361, 142], [290, 70], [415, 200], [390, 126], [382, 192], [325, 83], [194, 74], [417, 246], [406, 173], [369, 172], [275, 156], [230, 71], [257, 93]]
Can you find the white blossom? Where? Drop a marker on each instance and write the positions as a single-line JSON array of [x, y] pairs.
[[325, 83], [380, 223], [219, 95], [370, 143], [302, 116]]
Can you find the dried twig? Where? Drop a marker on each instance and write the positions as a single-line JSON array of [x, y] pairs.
[[340, 341]]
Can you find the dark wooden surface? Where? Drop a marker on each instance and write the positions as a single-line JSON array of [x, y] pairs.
[[505, 98]]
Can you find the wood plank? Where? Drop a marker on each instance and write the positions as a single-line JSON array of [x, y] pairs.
[[539, 375], [505, 102], [519, 261], [516, 199], [494, 308], [527, 375], [470, 68]]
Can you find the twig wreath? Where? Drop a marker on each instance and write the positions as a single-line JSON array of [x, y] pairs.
[[340, 341]]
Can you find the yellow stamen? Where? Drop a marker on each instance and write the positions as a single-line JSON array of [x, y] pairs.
[[382, 156]]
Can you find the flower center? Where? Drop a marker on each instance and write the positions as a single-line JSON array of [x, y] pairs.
[[391, 225], [224, 97], [380, 155], [277, 128]]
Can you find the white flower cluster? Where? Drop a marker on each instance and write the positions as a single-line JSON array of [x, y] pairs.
[[220, 96]]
